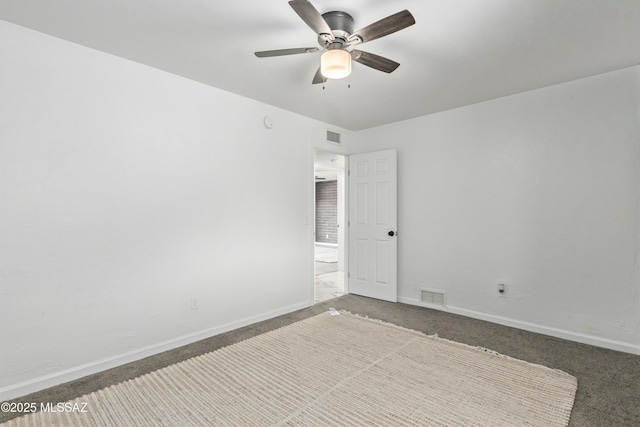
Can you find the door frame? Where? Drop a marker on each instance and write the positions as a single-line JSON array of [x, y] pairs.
[[345, 219]]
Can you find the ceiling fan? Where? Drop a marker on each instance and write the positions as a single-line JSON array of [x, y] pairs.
[[335, 35]]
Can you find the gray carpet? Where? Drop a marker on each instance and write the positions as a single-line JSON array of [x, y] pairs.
[[608, 381]]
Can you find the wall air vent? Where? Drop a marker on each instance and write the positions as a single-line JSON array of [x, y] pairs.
[[429, 296], [333, 137]]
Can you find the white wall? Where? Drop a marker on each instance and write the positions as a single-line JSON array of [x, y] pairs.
[[539, 191], [125, 192]]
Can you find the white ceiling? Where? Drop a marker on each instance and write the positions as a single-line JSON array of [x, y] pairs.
[[459, 52]]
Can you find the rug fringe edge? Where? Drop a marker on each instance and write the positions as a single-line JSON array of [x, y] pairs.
[[437, 337]]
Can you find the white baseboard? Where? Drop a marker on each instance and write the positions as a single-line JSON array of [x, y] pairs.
[[532, 327], [46, 381], [327, 245]]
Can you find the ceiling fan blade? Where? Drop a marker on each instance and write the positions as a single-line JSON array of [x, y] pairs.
[[311, 17], [374, 61], [319, 78], [383, 27], [282, 52]]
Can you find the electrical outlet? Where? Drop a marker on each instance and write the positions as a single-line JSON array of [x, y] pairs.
[[194, 303], [502, 290]]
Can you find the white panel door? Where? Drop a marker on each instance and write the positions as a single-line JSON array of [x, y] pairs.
[[373, 222]]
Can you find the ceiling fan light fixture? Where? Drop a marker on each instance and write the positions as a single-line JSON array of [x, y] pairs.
[[335, 64]]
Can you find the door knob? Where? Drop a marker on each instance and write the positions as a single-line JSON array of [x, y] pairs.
[[392, 233]]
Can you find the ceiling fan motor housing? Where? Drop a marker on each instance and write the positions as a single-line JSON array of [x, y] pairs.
[[341, 24]]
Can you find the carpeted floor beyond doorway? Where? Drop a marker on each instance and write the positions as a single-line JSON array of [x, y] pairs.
[[609, 381]]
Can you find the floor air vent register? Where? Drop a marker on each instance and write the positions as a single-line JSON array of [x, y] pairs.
[[432, 297]]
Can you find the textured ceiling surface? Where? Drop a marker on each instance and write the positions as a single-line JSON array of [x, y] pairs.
[[459, 52]]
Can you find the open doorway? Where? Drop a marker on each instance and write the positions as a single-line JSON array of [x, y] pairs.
[[330, 225]]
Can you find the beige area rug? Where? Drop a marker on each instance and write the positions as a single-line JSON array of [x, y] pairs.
[[333, 370]]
